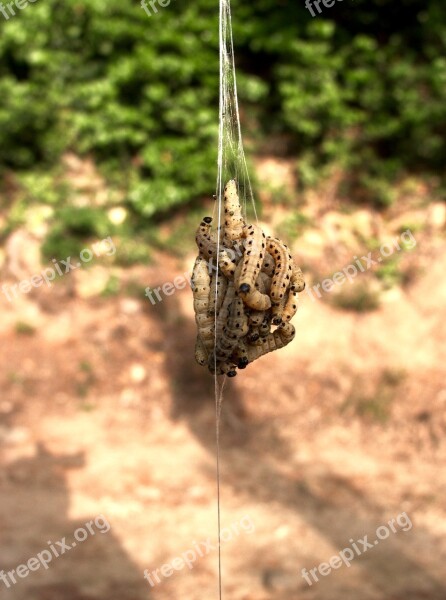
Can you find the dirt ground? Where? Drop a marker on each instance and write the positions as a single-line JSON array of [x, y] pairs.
[[104, 412]]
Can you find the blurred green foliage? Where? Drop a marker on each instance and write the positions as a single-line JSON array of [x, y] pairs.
[[362, 86]]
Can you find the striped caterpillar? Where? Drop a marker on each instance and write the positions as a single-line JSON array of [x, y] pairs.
[[234, 221], [282, 270]]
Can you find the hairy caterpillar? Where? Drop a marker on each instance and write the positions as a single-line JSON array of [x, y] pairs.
[[297, 278], [253, 258], [234, 221], [276, 340], [282, 270], [200, 288]]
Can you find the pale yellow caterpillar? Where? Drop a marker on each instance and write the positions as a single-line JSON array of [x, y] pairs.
[[201, 354], [234, 221], [253, 258], [255, 298], [235, 328], [200, 288], [223, 313], [290, 307], [268, 264], [206, 242], [226, 263], [297, 278], [282, 269], [217, 292], [240, 355], [276, 340], [278, 309]]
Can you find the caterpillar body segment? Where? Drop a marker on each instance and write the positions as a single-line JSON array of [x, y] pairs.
[[282, 269], [200, 288], [276, 340], [206, 240], [254, 298], [240, 356], [268, 264], [291, 307], [265, 327], [226, 263], [297, 278], [234, 221], [201, 354], [223, 313], [253, 258], [235, 328], [256, 317], [278, 309], [217, 292]]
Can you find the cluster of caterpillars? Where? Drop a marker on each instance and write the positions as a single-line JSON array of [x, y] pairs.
[[246, 295]]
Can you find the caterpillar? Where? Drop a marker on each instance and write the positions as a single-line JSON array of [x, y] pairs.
[[205, 240], [217, 293], [235, 328], [253, 258], [276, 340], [201, 354], [255, 297], [240, 355], [291, 307], [265, 326], [234, 221], [223, 313], [268, 264], [282, 270], [297, 278], [278, 309], [201, 287]]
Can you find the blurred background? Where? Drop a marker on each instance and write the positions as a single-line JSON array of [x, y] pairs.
[[108, 131]]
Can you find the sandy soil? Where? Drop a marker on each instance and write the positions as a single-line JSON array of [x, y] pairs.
[[103, 412]]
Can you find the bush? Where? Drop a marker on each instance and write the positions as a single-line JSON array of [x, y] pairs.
[[356, 86]]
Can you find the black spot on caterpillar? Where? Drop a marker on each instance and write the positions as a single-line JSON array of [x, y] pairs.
[[234, 221], [282, 269], [253, 257], [276, 340], [200, 289], [297, 278]]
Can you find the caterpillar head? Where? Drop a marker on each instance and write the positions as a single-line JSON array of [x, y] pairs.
[[207, 220], [245, 288], [243, 363]]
